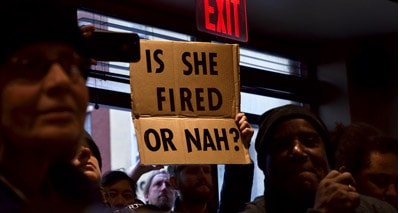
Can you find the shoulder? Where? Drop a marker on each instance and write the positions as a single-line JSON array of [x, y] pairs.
[[256, 206], [370, 204]]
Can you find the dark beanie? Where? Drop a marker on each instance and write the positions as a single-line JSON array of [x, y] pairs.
[[89, 142], [270, 120], [26, 22]]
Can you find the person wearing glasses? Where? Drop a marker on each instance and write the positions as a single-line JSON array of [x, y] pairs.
[[43, 101]]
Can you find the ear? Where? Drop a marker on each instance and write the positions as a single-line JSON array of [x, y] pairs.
[[146, 198]]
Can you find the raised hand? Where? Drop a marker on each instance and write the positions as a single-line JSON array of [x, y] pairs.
[[246, 130], [337, 193]]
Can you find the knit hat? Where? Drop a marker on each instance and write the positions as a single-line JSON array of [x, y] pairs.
[[270, 120], [89, 142], [26, 22]]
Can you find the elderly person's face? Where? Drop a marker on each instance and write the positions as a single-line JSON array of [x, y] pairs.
[[43, 99], [161, 193], [297, 160]]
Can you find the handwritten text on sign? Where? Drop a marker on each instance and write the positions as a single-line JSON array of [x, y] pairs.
[[184, 99]]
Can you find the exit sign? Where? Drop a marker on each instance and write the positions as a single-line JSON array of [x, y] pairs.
[[225, 18]]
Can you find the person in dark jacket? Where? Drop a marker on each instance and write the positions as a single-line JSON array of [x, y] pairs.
[[43, 101], [292, 145]]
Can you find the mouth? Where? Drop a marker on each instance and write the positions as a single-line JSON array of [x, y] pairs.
[[59, 114], [57, 110], [89, 166], [163, 197]]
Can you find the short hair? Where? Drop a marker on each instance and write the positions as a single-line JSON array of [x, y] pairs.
[[114, 176], [174, 170], [356, 141]]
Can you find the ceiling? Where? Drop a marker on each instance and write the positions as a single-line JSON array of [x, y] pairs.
[[308, 19], [290, 27], [321, 20]]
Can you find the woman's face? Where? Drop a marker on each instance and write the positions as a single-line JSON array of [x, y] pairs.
[[43, 99]]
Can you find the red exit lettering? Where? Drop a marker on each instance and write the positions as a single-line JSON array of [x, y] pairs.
[[226, 18]]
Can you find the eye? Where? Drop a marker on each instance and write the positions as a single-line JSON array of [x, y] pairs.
[[112, 194], [127, 195], [310, 140], [279, 144], [31, 68]]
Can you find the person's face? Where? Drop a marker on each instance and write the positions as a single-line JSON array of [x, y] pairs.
[[379, 178], [120, 194], [297, 160], [88, 164], [194, 183], [161, 193], [43, 99]]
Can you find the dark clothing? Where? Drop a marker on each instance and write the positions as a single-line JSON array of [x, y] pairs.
[[178, 207], [148, 208], [11, 200], [367, 204], [66, 189], [236, 188], [235, 192]]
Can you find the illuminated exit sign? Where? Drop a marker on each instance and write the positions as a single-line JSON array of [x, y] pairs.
[[225, 18]]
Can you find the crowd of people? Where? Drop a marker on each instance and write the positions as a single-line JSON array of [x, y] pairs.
[[49, 163]]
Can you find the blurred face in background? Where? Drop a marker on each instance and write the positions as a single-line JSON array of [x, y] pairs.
[[120, 194], [194, 183], [378, 178]]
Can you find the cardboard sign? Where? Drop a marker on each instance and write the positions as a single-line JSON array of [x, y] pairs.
[[185, 96]]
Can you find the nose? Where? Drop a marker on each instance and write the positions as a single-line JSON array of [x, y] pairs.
[[84, 154], [56, 79], [119, 201], [298, 150], [165, 185]]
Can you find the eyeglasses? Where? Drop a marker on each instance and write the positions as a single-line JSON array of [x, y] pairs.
[[34, 67]]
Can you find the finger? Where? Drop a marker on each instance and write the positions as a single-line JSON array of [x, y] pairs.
[[345, 178], [87, 30], [351, 188], [238, 117], [332, 174], [342, 169], [244, 125]]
